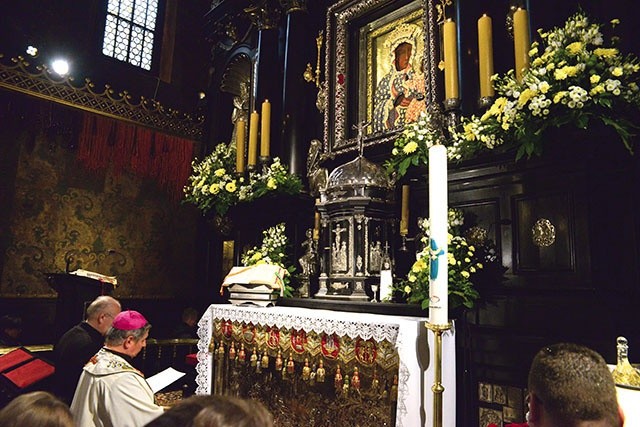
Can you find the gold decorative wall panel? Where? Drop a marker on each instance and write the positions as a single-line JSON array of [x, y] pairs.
[[117, 225]]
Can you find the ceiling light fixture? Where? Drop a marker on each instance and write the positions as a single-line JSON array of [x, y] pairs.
[[60, 66], [32, 51]]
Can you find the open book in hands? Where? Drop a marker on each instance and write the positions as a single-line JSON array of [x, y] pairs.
[[163, 379]]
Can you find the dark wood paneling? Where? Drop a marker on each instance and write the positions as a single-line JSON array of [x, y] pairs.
[[581, 288]]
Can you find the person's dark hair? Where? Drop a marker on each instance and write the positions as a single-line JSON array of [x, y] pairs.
[[234, 412], [215, 411], [36, 409], [189, 313], [10, 322], [574, 384], [117, 336]]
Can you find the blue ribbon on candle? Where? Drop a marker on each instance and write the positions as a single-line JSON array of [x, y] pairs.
[[435, 259]]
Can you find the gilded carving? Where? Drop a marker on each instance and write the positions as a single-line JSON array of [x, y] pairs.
[[147, 112], [543, 233], [264, 15]]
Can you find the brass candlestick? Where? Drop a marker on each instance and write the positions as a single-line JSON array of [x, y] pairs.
[[437, 387], [451, 113], [264, 162], [314, 77], [484, 102]]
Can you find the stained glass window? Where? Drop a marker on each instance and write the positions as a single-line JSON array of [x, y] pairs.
[[129, 31]]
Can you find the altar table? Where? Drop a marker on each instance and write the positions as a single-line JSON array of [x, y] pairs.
[[406, 335]]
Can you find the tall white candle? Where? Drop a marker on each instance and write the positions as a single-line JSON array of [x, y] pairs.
[[438, 207]]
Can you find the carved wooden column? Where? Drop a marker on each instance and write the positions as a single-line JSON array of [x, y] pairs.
[[295, 141], [267, 82]]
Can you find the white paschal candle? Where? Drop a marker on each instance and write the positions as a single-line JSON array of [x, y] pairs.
[[438, 207]]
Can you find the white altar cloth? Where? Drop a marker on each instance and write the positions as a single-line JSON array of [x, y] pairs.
[[408, 334]]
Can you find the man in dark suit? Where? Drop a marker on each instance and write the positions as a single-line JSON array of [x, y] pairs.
[[80, 343], [187, 328]]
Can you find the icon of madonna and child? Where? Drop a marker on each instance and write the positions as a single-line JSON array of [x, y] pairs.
[[400, 93]]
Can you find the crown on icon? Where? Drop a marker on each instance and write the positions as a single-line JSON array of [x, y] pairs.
[[404, 33]]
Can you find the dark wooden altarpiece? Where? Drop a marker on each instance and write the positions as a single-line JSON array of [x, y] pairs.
[[564, 224]]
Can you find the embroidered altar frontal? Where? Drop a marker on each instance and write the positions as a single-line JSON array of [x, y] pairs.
[[321, 367], [307, 377]]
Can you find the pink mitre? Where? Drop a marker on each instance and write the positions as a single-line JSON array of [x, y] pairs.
[[129, 320]]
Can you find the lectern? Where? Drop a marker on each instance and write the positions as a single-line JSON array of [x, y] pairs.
[[74, 293]]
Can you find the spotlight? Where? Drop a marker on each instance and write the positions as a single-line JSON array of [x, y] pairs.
[[202, 95], [32, 51], [60, 66]]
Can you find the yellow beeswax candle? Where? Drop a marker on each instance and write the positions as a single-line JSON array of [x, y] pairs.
[[449, 40], [240, 134], [265, 129], [485, 55], [404, 215], [253, 139], [521, 41]]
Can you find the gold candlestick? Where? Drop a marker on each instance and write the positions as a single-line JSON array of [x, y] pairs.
[[437, 387]]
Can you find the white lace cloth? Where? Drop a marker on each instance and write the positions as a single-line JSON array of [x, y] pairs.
[[408, 334]]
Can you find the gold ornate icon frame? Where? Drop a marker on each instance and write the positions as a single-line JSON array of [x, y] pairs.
[[359, 43]]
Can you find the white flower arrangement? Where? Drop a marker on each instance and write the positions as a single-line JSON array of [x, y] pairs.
[[574, 76], [411, 148], [463, 264], [272, 251], [214, 184]]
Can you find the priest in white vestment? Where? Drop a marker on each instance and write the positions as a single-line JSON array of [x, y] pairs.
[[111, 392]]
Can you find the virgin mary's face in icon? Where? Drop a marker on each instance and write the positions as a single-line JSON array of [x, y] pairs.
[[402, 55]]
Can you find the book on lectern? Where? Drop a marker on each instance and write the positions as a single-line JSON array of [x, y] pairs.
[[96, 276]]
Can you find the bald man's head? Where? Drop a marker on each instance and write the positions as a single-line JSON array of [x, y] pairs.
[[101, 312]]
